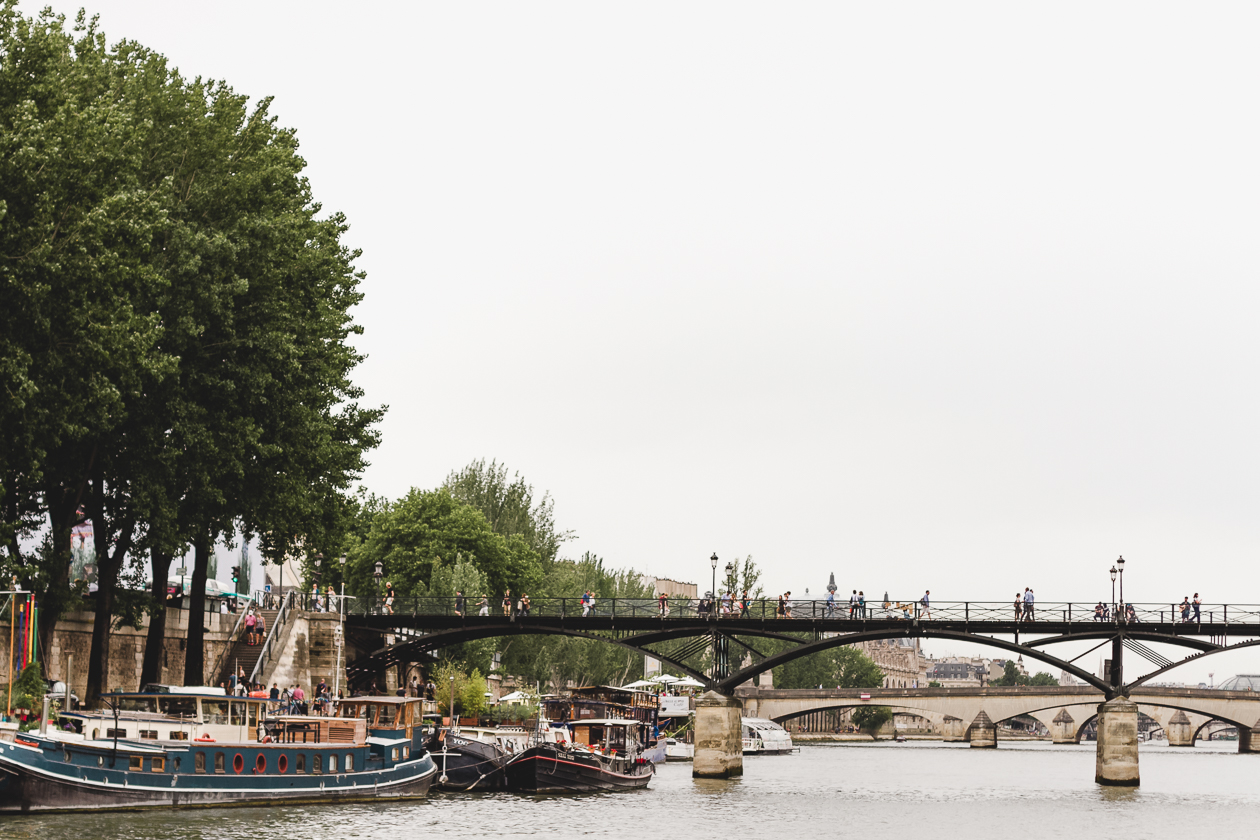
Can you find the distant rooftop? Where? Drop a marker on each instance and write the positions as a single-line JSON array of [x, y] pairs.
[[1242, 682]]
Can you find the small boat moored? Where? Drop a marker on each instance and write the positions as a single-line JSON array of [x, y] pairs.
[[603, 755]]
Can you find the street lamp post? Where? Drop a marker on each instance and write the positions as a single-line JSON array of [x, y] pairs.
[[1116, 612], [713, 561], [1120, 563], [341, 629]]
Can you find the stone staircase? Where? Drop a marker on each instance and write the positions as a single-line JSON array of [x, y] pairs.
[[243, 654]]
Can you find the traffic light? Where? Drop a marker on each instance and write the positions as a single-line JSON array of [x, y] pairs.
[[236, 574]]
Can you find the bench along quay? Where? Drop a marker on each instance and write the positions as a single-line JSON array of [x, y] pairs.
[[731, 629]]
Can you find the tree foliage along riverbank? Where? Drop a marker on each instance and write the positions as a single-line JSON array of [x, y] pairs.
[[174, 351]]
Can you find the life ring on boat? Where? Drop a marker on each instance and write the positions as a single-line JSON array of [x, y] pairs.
[[266, 739], [205, 739]]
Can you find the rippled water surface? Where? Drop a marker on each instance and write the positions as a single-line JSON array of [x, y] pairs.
[[916, 789]]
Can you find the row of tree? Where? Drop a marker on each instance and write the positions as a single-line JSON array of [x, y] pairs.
[[174, 335]]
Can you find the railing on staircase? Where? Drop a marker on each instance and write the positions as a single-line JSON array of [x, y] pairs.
[[232, 639], [273, 635]]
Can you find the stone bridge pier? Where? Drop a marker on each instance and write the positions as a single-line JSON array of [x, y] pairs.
[[719, 737]]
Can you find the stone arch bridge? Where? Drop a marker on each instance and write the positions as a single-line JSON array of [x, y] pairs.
[[1064, 710]]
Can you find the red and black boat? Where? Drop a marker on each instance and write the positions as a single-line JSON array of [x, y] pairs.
[[598, 755]]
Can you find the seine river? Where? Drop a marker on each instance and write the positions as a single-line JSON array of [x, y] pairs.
[[916, 789]]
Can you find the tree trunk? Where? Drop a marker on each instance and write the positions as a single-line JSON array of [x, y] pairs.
[[195, 655], [108, 565], [62, 516], [155, 643]]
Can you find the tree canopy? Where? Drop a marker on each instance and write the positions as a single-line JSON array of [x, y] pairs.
[[174, 345]]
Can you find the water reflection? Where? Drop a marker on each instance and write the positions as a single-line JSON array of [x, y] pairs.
[[1029, 790]]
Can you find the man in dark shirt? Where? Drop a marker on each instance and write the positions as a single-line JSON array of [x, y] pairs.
[[459, 603]]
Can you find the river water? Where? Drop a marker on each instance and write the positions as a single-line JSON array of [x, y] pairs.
[[924, 788]]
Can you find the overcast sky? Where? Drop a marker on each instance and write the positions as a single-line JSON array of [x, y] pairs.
[[958, 297]]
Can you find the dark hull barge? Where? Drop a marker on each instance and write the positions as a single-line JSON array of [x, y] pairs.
[[604, 755]]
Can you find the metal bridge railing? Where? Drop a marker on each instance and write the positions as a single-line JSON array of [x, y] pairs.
[[841, 613]]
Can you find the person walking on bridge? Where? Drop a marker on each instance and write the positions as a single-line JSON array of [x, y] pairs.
[[1028, 604], [1196, 604], [743, 606], [662, 602], [926, 603], [853, 605], [1185, 609], [1019, 608], [831, 605], [862, 604]]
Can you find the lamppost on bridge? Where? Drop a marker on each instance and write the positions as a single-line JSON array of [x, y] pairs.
[[713, 561], [1120, 563], [1116, 612]]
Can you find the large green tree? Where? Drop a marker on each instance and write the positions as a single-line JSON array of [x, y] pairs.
[[176, 352], [413, 537]]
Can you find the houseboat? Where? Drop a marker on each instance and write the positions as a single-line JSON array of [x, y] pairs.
[[765, 737], [372, 751], [469, 758], [598, 755], [608, 702]]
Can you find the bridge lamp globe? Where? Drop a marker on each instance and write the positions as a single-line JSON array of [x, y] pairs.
[[1113, 586], [1120, 563]]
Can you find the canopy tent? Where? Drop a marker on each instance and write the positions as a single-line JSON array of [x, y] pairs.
[[689, 682], [640, 684], [664, 678]]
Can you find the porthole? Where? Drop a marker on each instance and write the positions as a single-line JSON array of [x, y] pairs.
[[282, 764], [238, 764], [260, 766]]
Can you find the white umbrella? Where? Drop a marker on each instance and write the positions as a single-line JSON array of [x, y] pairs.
[[664, 678], [689, 681], [639, 684]]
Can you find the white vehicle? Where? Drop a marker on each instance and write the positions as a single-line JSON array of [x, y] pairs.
[[766, 736]]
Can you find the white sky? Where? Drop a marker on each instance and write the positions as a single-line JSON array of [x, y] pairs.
[[951, 296]]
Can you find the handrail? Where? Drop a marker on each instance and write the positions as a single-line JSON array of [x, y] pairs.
[[265, 655], [839, 612], [232, 639]]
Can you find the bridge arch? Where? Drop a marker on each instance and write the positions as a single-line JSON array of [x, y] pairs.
[[925, 630]]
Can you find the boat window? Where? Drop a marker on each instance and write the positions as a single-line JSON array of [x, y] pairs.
[[149, 734], [158, 765], [65, 754], [96, 733], [178, 735], [406, 751], [253, 714], [111, 733], [387, 716], [301, 763], [393, 754], [182, 706], [332, 764], [349, 763], [136, 704], [317, 764], [199, 763], [137, 762], [236, 714], [100, 761], [216, 711], [219, 763]]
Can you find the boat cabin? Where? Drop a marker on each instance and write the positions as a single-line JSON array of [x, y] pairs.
[[609, 735], [171, 713]]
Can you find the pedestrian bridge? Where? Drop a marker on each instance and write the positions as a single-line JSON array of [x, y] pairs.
[[1184, 713]]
